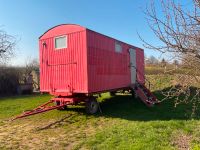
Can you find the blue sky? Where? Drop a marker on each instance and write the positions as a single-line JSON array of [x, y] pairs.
[[28, 19]]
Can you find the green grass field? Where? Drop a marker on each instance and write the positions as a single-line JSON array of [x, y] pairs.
[[125, 123]]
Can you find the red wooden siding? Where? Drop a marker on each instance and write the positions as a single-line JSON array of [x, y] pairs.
[[64, 70], [107, 69], [140, 65], [89, 63]]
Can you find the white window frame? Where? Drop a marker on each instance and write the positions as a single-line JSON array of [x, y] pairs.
[[58, 38], [117, 44]]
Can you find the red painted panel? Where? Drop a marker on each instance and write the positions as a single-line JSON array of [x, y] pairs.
[[108, 69], [63, 70], [89, 63], [140, 65]]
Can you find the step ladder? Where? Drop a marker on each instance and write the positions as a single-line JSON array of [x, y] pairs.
[[145, 95]]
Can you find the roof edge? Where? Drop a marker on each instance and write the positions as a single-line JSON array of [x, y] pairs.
[[60, 25], [135, 47], [92, 31]]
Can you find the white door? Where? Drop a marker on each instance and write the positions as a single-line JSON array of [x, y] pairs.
[[133, 65]]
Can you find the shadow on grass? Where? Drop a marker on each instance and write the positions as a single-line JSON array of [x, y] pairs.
[[126, 107]]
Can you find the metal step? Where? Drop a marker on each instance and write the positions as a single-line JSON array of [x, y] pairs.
[[146, 95]]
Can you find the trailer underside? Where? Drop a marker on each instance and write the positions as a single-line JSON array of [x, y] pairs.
[[92, 106]]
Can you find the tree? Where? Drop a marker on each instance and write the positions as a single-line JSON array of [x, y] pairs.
[[7, 46], [151, 60], [163, 63], [31, 72], [175, 64], [178, 30], [30, 65]]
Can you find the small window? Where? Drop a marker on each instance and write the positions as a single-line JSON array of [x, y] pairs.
[[61, 42], [118, 47]]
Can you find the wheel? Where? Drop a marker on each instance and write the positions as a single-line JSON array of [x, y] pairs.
[[61, 108], [112, 93], [92, 106]]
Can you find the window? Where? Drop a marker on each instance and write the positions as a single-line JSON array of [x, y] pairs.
[[118, 47], [61, 42]]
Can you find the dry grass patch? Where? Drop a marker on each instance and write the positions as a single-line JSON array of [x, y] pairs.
[[54, 133], [182, 140]]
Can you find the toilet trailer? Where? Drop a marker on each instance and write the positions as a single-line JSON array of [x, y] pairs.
[[77, 63]]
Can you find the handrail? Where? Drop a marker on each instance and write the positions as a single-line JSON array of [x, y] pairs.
[[137, 71]]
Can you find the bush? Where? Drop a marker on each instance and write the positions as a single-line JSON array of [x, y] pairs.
[[9, 80]]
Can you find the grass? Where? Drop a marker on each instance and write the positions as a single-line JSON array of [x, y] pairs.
[[154, 70], [125, 123]]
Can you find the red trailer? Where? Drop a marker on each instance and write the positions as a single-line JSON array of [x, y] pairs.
[[76, 63]]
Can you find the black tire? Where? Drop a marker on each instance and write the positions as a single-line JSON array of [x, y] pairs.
[[92, 106], [61, 108], [112, 93]]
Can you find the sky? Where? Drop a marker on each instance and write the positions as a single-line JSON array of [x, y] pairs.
[[28, 19]]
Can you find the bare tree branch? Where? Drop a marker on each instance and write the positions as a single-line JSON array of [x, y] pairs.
[[178, 30], [7, 45]]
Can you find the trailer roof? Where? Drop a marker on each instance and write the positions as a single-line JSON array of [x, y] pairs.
[[89, 30]]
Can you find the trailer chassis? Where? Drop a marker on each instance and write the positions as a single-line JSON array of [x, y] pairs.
[[61, 103]]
